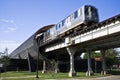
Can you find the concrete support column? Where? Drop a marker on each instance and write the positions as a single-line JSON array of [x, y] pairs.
[[29, 65], [29, 61], [44, 67], [71, 52], [103, 72], [89, 72], [56, 67]]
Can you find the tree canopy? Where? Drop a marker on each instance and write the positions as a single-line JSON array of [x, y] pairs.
[[110, 53]]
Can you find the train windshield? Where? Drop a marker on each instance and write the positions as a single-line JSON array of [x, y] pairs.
[[90, 12], [93, 12], [86, 11]]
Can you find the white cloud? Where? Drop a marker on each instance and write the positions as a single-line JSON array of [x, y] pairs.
[[7, 21], [8, 25], [11, 45], [11, 28]]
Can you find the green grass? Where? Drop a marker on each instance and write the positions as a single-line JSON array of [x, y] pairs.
[[114, 71], [23, 79], [23, 75], [14, 73]]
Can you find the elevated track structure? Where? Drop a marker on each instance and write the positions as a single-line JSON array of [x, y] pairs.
[[101, 36]]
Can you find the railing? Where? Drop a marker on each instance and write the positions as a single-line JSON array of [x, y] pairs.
[[99, 32]]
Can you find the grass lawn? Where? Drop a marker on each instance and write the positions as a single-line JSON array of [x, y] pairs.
[[25, 75], [18, 74]]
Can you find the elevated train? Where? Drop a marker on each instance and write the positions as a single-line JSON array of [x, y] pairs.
[[85, 15]]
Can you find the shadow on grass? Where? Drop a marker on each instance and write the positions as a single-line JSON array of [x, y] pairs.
[[114, 72]]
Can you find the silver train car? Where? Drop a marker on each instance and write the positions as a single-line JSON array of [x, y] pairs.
[[85, 15]]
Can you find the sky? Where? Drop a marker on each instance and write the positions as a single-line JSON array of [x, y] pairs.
[[19, 19]]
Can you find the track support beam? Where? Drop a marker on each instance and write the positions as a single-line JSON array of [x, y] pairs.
[[89, 71], [44, 67], [71, 52], [103, 72]]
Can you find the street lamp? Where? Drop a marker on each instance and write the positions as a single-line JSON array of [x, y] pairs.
[[36, 41], [37, 50]]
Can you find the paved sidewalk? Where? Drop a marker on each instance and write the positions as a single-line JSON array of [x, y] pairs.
[[113, 77]]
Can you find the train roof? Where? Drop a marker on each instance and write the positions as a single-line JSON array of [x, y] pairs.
[[43, 29]]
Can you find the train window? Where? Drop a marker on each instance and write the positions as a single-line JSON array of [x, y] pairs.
[[94, 12], [86, 11], [48, 31], [56, 27], [72, 17], [52, 31], [59, 25], [63, 22], [75, 14]]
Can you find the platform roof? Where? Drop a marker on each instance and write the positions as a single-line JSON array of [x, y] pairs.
[[44, 28]]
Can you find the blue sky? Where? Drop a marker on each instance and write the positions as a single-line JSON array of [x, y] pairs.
[[19, 19]]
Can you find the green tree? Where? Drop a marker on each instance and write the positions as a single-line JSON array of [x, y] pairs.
[[110, 57], [5, 60], [93, 55], [110, 53]]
